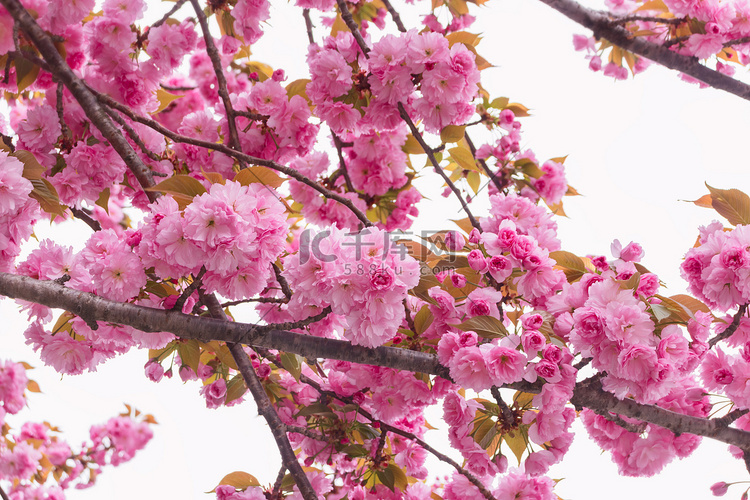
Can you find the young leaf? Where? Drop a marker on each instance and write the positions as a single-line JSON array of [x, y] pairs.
[[258, 173], [732, 204]]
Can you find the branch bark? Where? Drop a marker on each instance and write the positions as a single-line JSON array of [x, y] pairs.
[[605, 27], [588, 393]]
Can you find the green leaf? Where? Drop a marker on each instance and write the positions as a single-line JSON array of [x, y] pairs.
[[26, 73], [103, 200], [412, 147], [235, 389], [464, 158], [572, 265], [298, 87], [292, 363], [499, 102], [516, 441], [190, 353], [422, 320], [486, 327], [732, 204], [183, 189], [32, 169], [258, 173], [452, 133], [315, 409], [46, 194]]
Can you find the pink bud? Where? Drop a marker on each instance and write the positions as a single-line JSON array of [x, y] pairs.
[[719, 489], [474, 236], [458, 280], [477, 261], [454, 241]]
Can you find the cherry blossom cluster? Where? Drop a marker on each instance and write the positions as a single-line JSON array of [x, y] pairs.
[[520, 235], [29, 455], [447, 81], [361, 276], [235, 232], [717, 270], [643, 449], [18, 212]]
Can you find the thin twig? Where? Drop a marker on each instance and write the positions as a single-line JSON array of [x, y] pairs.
[[169, 14], [3, 495], [617, 419], [213, 54], [86, 217], [731, 328], [483, 163], [730, 417], [505, 411], [349, 21], [60, 111], [293, 325], [342, 164], [177, 88], [436, 165], [309, 25], [282, 281], [275, 492], [394, 15], [262, 300], [191, 288], [132, 134], [223, 148], [278, 428]]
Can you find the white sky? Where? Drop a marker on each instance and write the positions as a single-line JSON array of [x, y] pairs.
[[635, 149]]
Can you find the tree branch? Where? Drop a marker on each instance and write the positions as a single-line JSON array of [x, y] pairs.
[[731, 328], [223, 148], [59, 68], [588, 394], [604, 27], [278, 429]]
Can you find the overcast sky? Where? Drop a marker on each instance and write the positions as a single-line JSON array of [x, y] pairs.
[[635, 149]]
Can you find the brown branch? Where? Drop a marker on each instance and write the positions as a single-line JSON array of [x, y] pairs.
[[483, 163], [282, 282], [132, 134], [730, 417], [731, 328], [60, 110], [737, 41], [293, 325], [278, 429], [394, 15], [191, 288], [436, 165], [349, 21], [178, 4], [262, 300], [277, 485], [308, 25], [177, 88], [342, 164], [222, 148], [603, 27], [3, 495], [385, 428], [588, 393], [505, 412], [59, 68], [213, 54], [649, 19], [86, 217]]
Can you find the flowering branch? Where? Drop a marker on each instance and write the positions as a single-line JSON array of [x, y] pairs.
[[731, 328], [59, 68], [604, 27], [588, 394], [222, 148]]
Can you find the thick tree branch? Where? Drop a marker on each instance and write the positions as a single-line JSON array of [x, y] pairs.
[[588, 394], [278, 429], [605, 27], [88, 102]]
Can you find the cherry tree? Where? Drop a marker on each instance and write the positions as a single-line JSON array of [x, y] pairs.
[[295, 201]]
